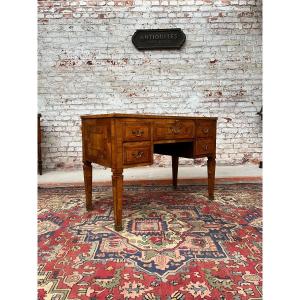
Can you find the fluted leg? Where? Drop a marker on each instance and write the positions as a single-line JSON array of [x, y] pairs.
[[174, 170], [211, 167], [117, 184], [87, 171]]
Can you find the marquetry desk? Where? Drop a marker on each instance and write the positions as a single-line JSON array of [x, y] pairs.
[[121, 141]]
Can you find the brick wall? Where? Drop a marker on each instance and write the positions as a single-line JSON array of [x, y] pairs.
[[87, 64]]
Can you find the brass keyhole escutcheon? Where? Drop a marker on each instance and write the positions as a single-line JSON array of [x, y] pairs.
[[205, 130]]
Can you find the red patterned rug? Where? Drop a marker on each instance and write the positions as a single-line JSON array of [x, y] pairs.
[[176, 244]]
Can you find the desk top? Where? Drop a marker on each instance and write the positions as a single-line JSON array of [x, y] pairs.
[[118, 115]]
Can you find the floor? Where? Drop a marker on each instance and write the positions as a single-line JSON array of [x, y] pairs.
[[223, 173], [175, 244]]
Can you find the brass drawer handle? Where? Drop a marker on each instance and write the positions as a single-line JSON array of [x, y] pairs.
[[205, 147], [138, 154], [137, 132], [175, 130], [177, 127]]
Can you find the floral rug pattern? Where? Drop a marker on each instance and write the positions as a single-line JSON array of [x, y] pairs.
[[175, 244]]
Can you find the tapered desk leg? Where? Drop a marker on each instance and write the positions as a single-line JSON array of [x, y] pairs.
[[211, 167], [174, 170], [87, 171], [117, 184]]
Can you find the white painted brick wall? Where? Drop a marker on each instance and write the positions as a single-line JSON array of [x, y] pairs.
[[87, 64]]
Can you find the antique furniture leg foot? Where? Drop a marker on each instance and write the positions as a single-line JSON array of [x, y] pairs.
[[117, 184], [211, 167], [87, 171], [174, 170]]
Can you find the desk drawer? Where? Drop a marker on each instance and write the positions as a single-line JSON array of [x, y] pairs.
[[137, 153], [204, 146], [173, 129], [205, 128], [136, 131]]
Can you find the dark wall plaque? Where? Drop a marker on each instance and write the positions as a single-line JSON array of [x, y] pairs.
[[150, 39]]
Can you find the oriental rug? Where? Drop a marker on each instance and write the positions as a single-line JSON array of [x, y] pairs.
[[175, 245]]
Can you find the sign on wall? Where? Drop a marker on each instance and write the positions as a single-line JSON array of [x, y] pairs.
[[151, 39]]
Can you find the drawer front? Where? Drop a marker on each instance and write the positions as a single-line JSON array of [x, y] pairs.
[[173, 129], [137, 153], [205, 128], [204, 146], [136, 131]]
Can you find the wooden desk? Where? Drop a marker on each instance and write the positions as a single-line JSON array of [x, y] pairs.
[[121, 141]]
